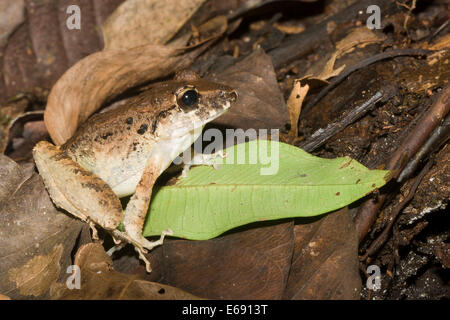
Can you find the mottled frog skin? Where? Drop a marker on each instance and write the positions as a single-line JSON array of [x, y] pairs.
[[122, 152]]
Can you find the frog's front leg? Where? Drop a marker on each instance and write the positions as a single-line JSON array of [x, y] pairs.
[[137, 208], [203, 159], [75, 189]]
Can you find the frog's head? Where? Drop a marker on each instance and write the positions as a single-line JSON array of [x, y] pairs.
[[195, 102]]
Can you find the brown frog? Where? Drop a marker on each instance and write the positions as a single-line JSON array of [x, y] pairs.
[[123, 151]]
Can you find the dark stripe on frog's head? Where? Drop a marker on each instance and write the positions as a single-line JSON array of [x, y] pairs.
[[160, 116]]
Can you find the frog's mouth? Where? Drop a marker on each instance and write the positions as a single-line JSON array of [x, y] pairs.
[[194, 127]]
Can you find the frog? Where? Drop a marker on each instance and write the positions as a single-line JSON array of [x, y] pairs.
[[123, 151]]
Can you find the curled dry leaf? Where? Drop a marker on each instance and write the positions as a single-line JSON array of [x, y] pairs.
[[323, 69], [260, 104], [35, 239], [361, 36], [100, 281], [140, 22], [294, 106]]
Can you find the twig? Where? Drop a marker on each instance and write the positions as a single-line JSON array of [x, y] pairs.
[[378, 243], [349, 70], [367, 212], [410, 9], [442, 27], [321, 136], [438, 137]]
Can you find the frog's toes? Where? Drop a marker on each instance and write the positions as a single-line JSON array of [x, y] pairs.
[[148, 268], [204, 159], [151, 244], [141, 244]]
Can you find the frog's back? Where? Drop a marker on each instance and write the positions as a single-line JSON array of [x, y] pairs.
[[116, 144]]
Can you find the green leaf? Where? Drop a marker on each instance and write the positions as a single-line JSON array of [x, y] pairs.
[[211, 201]]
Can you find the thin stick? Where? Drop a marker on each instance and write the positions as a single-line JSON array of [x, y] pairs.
[[376, 245], [321, 136], [367, 212], [438, 137]]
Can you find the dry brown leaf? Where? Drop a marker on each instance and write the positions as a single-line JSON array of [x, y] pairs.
[[294, 106], [37, 274], [361, 36], [252, 264], [328, 70], [11, 15], [40, 49], [140, 22], [35, 239], [100, 281], [322, 70], [325, 261], [208, 31], [260, 104], [315, 259]]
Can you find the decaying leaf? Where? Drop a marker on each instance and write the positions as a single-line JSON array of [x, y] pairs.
[[98, 280], [325, 259], [361, 37], [252, 264], [140, 22], [323, 69], [314, 259], [37, 275], [35, 239]]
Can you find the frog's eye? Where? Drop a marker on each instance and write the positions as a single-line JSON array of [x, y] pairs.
[[188, 98]]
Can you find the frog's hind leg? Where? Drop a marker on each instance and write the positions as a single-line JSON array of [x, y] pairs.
[[75, 189]]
